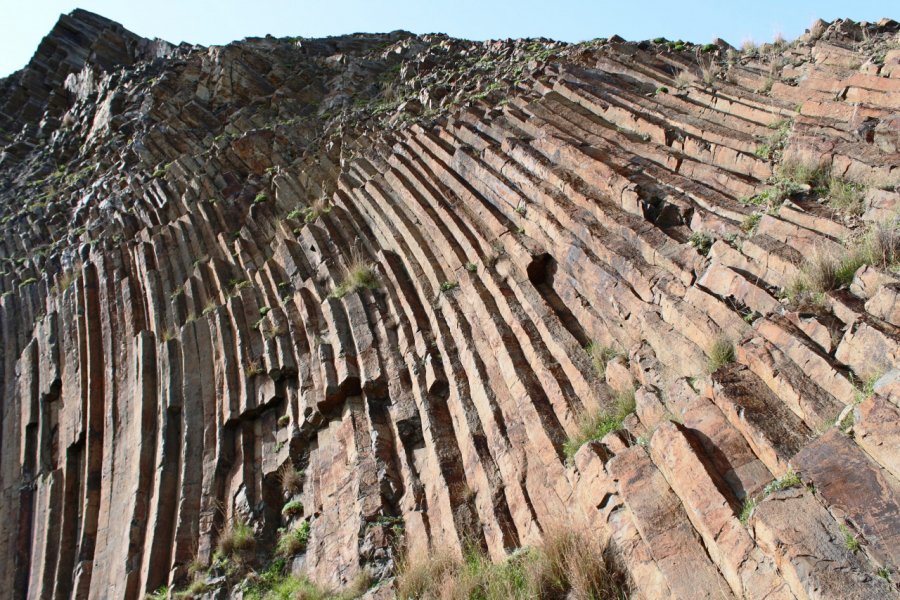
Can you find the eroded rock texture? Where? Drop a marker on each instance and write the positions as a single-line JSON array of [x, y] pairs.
[[176, 221]]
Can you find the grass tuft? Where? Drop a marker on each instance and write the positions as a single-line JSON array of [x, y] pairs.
[[237, 543], [358, 275], [292, 508], [850, 541], [600, 356], [594, 426], [569, 563], [845, 196], [293, 541], [702, 241], [291, 480], [720, 353], [829, 269]]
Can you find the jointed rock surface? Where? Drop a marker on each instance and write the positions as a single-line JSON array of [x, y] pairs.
[[387, 264]]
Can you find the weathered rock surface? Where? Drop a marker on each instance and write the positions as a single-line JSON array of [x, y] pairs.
[[177, 332]]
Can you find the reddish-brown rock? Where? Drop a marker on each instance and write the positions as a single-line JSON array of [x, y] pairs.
[[348, 283]]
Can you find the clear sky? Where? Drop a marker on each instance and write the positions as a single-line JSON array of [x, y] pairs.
[[25, 22]]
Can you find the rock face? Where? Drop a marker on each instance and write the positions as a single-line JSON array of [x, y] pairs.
[[378, 260]]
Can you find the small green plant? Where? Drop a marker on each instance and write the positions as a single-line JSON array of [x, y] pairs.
[[449, 286], [292, 508], [594, 426], [661, 90], [851, 541], [885, 573], [521, 209], [284, 420], [750, 223], [293, 541], [747, 509], [471, 267], [865, 388], [315, 210], [161, 593], [209, 307], [720, 353], [789, 480], [702, 241], [260, 198]]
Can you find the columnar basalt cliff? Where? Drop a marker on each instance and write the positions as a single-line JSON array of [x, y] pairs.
[[389, 294]]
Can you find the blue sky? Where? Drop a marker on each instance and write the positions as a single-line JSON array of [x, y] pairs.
[[203, 22]]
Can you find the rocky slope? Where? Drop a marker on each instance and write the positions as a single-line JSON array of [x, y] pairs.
[[370, 287]]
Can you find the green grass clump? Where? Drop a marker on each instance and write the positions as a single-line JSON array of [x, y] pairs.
[[449, 285], [747, 509], [720, 353], [850, 540], [750, 223], [866, 388], [275, 583], [827, 269], [237, 543], [789, 480], [357, 275], [802, 173], [594, 426], [161, 593], [569, 563], [845, 196], [292, 508], [260, 198], [600, 356], [194, 590], [293, 541], [702, 241]]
